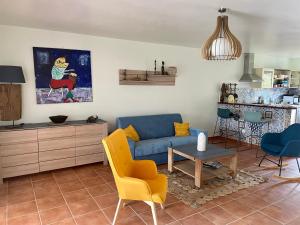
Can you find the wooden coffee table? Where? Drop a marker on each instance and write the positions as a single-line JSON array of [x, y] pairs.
[[194, 168]]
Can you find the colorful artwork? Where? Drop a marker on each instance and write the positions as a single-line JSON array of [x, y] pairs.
[[62, 75]]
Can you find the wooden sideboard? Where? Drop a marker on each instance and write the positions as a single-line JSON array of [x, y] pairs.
[[40, 147]]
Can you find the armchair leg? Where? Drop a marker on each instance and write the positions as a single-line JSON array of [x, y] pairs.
[[152, 205], [262, 160], [280, 165], [298, 164], [120, 203]]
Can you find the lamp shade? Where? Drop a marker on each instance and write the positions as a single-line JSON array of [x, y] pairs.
[[11, 74]]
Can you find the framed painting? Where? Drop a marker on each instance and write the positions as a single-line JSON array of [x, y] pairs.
[[62, 75]]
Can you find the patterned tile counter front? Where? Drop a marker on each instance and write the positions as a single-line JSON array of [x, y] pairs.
[[282, 116]]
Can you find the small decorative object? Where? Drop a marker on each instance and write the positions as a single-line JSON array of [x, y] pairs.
[[163, 68], [92, 119], [201, 144], [58, 119], [155, 66], [231, 98], [222, 44], [62, 75], [236, 97], [171, 70], [223, 93]]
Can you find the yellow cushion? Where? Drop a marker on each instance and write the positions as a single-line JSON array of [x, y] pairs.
[[182, 129], [131, 133]]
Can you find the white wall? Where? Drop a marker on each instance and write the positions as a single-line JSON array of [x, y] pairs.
[[194, 95]]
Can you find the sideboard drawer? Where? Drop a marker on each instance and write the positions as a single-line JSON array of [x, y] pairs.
[[20, 170], [93, 158], [17, 160], [57, 164], [89, 149], [56, 132], [57, 154], [18, 149], [59, 143], [92, 140], [20, 136], [93, 129]]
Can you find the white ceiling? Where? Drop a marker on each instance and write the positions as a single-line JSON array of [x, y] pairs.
[[263, 26]]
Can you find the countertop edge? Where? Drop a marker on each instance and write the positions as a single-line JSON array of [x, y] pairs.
[[262, 105]]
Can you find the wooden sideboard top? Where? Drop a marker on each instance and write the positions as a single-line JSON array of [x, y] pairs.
[[31, 126]]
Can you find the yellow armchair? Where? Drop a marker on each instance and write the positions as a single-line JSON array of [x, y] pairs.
[[135, 179]]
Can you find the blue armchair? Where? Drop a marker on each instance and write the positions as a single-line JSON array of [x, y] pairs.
[[284, 144]]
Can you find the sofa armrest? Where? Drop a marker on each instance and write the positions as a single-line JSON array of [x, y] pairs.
[[131, 144], [270, 138], [196, 131], [291, 149]]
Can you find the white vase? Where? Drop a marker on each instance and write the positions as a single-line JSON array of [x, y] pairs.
[[201, 145]]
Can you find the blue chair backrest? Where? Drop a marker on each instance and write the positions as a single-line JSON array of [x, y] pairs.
[[224, 113], [290, 133], [253, 117], [153, 126]]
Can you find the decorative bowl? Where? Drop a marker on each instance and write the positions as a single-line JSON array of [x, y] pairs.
[[58, 119]]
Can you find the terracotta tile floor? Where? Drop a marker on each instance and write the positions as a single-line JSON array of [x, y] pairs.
[[87, 195]]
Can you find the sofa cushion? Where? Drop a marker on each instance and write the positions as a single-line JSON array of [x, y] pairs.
[[176, 141], [150, 127], [182, 129], [152, 146]]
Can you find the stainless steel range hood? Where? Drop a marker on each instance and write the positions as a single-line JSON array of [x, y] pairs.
[[249, 75]]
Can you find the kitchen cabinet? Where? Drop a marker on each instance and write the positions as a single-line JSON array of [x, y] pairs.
[[267, 76], [295, 79]]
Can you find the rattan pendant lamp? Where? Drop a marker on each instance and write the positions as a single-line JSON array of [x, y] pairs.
[[222, 44]]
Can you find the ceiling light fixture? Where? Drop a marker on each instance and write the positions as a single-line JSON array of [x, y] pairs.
[[222, 44]]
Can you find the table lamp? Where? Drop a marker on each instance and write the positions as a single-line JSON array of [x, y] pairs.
[[10, 92]]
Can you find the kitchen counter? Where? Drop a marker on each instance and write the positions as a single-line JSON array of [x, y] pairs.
[[282, 115], [276, 106]]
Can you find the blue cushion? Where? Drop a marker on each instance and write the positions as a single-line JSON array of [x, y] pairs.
[[176, 141], [150, 127], [152, 146], [272, 149]]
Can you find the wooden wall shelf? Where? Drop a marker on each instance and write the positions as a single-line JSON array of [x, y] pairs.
[[143, 77]]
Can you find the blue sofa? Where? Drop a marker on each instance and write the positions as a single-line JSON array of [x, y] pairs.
[[156, 133]]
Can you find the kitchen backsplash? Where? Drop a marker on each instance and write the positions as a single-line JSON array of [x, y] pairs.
[[270, 95]]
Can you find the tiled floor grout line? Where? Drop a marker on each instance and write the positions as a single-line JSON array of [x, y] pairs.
[[270, 217], [37, 206], [6, 205], [100, 209], [64, 199], [137, 214]]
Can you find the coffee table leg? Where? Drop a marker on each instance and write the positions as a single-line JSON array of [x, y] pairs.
[[233, 165], [170, 160], [198, 173]]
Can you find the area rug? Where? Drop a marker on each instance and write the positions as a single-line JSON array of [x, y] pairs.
[[182, 185]]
